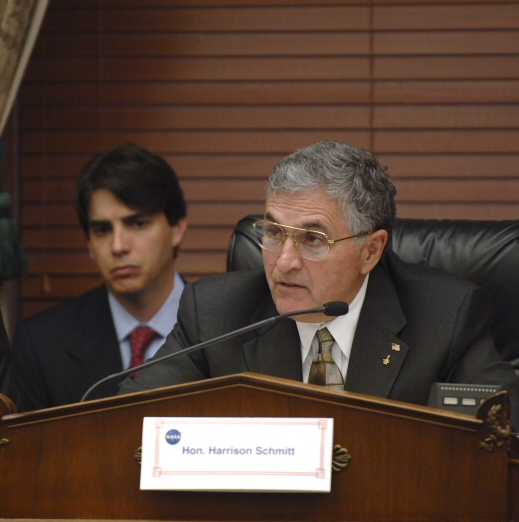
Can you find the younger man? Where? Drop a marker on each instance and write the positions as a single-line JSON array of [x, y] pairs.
[[133, 212]]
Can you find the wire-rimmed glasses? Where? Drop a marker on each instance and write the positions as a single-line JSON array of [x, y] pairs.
[[313, 244]]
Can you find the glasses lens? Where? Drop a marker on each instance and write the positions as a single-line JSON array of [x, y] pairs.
[[269, 235], [313, 245]]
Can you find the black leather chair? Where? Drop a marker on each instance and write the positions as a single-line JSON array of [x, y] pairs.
[[484, 252]]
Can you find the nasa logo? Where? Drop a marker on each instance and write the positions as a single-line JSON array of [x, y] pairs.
[[173, 437]]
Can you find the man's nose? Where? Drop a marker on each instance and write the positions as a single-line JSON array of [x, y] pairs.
[[289, 255], [120, 240]]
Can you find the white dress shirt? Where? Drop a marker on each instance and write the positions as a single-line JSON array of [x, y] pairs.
[[343, 330]]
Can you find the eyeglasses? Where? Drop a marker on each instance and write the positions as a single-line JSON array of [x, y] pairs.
[[312, 244]]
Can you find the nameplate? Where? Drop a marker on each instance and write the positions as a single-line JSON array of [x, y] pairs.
[[237, 454]]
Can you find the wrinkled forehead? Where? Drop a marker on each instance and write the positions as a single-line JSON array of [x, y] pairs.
[[306, 209]]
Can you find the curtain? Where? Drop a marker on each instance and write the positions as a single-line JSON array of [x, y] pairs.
[[20, 22]]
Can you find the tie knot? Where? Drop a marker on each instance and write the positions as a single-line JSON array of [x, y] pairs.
[[325, 339]]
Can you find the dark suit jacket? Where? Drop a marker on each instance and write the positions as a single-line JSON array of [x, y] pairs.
[[59, 353], [6, 382], [440, 322]]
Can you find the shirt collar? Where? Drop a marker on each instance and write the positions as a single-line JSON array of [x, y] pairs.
[[125, 322], [342, 328]]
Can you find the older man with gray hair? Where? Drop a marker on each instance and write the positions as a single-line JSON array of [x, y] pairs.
[[328, 218]]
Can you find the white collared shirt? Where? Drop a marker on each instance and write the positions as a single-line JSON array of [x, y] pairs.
[[343, 330], [162, 322]]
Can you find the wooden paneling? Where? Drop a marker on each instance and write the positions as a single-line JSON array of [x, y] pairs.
[[200, 118], [445, 43], [173, 17], [472, 210], [442, 16], [61, 287], [455, 140], [187, 165], [212, 44], [437, 166], [432, 92], [203, 93], [221, 142], [225, 88], [445, 116], [420, 67], [202, 69], [270, 118]]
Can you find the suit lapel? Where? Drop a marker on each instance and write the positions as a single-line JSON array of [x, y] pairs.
[[276, 349], [377, 353]]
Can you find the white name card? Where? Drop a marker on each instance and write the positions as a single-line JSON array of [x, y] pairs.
[[237, 454]]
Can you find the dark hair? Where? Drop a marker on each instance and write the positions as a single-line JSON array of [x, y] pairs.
[[140, 179], [352, 176]]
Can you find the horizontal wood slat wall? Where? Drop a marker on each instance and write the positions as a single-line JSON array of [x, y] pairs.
[[224, 89]]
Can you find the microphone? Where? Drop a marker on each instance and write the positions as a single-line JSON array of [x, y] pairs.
[[333, 308]]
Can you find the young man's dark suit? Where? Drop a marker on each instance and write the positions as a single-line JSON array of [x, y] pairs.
[[59, 353], [440, 323]]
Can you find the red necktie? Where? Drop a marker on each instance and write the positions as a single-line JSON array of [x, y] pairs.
[[140, 339]]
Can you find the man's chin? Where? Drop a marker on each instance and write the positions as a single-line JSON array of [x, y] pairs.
[[125, 291], [289, 307]]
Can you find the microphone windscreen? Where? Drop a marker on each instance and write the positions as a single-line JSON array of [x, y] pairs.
[[336, 308]]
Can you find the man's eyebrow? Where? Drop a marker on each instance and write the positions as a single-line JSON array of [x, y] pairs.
[[310, 225], [127, 219], [136, 215], [315, 224], [97, 222]]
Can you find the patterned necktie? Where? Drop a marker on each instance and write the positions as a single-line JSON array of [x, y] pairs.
[[324, 371], [140, 339]]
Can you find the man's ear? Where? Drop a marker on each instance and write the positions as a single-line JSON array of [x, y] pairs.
[[179, 229], [373, 249]]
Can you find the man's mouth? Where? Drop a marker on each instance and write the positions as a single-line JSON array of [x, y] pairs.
[[288, 285], [125, 271]]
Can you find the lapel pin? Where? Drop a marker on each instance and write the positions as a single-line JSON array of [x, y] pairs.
[[395, 347], [386, 360]]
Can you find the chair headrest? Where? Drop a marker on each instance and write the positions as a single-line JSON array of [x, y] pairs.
[[484, 252], [243, 252]]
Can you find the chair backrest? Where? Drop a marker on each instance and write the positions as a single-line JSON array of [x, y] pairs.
[[484, 252]]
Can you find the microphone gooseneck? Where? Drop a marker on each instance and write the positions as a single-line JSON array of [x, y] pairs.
[[333, 308]]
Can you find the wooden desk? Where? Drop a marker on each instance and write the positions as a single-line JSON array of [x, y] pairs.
[[408, 463]]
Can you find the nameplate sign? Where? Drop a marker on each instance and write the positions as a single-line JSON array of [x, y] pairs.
[[237, 454]]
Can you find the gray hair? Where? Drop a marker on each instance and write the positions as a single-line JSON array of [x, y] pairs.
[[352, 176]]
